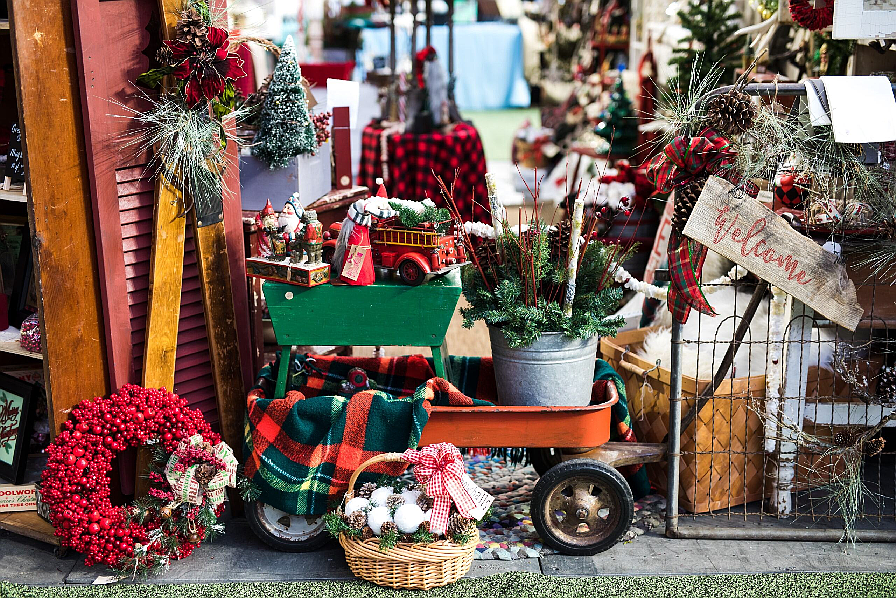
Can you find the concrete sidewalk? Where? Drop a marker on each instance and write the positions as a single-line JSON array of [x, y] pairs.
[[240, 556]]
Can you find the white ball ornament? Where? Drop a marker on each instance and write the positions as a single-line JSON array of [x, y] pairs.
[[408, 518], [410, 496], [377, 517], [356, 504], [379, 496]]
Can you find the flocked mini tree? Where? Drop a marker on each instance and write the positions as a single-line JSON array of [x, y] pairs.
[[285, 129], [619, 122], [711, 25]]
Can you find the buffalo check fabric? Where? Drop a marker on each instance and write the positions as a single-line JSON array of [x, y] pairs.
[[302, 449], [412, 159]]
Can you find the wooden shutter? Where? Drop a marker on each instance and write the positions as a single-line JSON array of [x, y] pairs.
[[111, 38]]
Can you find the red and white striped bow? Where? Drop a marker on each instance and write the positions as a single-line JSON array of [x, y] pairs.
[[441, 468]]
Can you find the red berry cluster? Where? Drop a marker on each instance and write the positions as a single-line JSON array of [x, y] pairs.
[[75, 483], [321, 127]]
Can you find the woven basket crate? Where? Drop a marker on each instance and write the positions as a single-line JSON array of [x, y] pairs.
[[722, 451], [407, 565]]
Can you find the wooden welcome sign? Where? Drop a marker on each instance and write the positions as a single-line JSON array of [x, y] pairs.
[[730, 223]]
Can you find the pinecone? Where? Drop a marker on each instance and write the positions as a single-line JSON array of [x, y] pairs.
[[165, 56], [424, 527], [424, 502], [191, 29], [366, 489], [686, 198], [367, 533], [407, 538], [388, 527], [874, 446], [560, 242], [204, 473], [843, 438], [394, 501], [886, 385], [731, 113], [356, 520], [458, 525]]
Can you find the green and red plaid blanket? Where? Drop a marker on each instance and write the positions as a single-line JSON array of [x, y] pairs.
[[301, 450]]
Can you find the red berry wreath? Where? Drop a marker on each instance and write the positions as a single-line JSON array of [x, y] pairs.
[[811, 18], [142, 537]]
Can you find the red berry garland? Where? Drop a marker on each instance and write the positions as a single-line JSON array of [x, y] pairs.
[[811, 18], [75, 483]]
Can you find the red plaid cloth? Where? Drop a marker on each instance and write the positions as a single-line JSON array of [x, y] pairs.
[[412, 159]]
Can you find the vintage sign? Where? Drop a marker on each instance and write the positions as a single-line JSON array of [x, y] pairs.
[[729, 222]]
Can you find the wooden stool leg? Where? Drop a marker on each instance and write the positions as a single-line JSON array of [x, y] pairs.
[[283, 373], [440, 362]]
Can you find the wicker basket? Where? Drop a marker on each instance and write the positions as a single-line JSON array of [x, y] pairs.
[[406, 566]]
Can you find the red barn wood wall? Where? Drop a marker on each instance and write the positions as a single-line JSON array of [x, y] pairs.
[[111, 38]]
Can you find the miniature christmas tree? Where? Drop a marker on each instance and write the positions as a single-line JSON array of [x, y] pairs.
[[711, 25], [619, 123], [285, 129]]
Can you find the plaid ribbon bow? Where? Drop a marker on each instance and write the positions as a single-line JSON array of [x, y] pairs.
[[441, 468], [686, 158], [682, 161], [184, 484]]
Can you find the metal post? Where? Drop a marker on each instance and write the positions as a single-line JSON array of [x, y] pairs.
[[451, 41], [428, 23], [392, 104], [674, 434], [413, 31]]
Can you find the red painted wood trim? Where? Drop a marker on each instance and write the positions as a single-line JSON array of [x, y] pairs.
[[91, 42], [342, 147], [236, 255]]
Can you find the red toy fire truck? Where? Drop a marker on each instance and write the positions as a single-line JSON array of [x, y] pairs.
[[413, 252]]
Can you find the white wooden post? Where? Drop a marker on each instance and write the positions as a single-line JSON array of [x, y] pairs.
[[796, 372]]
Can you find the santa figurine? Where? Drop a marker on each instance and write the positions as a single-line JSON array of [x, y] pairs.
[[291, 224], [268, 229], [353, 257]]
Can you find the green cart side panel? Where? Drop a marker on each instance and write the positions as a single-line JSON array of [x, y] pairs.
[[384, 313]]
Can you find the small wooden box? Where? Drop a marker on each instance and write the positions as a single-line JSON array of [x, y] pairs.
[[21, 497], [303, 275]]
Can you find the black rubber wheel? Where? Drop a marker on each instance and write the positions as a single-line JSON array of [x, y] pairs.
[[410, 273], [582, 507], [326, 254], [286, 532], [542, 459]]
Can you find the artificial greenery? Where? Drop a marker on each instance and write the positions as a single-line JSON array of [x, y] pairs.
[[285, 129], [711, 25], [388, 541], [526, 301], [411, 218]]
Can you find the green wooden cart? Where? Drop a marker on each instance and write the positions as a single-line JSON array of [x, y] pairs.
[[581, 504], [385, 313]]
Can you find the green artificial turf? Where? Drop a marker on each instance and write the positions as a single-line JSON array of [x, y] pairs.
[[496, 129], [512, 585]]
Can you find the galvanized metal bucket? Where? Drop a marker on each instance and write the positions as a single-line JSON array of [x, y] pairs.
[[555, 370]]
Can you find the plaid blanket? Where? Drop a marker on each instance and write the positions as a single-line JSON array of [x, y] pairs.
[[412, 159], [302, 451]]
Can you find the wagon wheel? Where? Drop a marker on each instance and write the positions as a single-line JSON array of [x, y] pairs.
[[284, 531], [542, 459], [582, 507], [326, 254], [411, 273]]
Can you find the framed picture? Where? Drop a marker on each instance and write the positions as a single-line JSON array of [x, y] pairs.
[[17, 403], [864, 19], [23, 300]]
